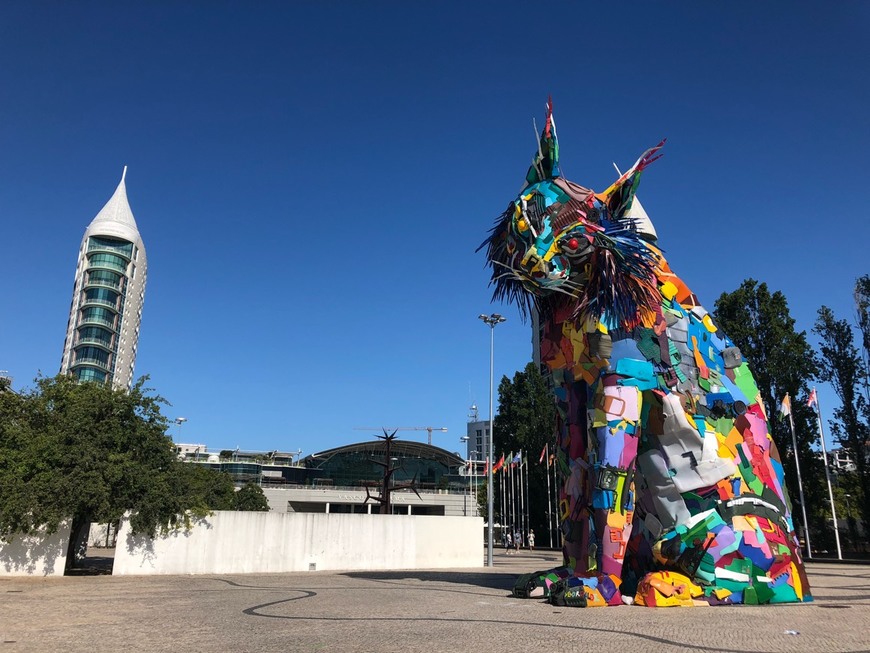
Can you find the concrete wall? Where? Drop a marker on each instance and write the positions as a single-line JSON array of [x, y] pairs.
[[264, 542], [35, 555]]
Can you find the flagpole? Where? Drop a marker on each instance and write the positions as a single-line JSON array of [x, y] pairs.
[[528, 499], [514, 498], [524, 493], [502, 503], [523, 503], [503, 499], [797, 465], [554, 527], [508, 499], [828, 475], [549, 506]]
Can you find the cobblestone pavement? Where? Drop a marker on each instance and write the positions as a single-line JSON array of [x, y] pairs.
[[406, 611]]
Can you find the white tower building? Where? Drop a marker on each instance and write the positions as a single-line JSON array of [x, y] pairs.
[[106, 310]]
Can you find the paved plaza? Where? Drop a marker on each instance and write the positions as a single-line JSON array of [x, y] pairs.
[[406, 611]]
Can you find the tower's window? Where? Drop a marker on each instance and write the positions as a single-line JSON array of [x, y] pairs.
[[102, 296], [103, 316], [100, 243], [95, 334], [111, 261], [92, 355], [104, 278], [90, 374]]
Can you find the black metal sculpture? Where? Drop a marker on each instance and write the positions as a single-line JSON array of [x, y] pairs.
[[387, 486]]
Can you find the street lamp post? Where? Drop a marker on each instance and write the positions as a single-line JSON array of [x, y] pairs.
[[491, 321]]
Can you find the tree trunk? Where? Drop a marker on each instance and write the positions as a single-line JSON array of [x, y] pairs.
[[78, 543]]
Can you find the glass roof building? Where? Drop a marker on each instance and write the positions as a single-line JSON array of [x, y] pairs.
[[349, 478], [108, 292]]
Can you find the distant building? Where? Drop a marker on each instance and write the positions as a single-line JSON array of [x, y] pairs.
[[478, 437], [108, 292], [346, 479]]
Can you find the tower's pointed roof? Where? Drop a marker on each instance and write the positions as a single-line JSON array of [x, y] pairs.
[[116, 217]]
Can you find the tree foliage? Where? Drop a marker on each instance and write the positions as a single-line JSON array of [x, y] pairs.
[[782, 361], [250, 497], [526, 422], [862, 314], [88, 452], [840, 364]]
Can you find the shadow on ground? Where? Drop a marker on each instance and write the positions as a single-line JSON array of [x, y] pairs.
[[92, 566], [499, 581]]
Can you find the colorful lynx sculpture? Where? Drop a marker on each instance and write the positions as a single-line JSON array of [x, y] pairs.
[[672, 490]]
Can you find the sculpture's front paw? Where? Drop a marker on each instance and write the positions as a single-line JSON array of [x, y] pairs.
[[660, 589], [588, 592]]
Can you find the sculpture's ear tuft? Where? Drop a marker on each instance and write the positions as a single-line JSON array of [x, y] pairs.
[[620, 195], [545, 163]]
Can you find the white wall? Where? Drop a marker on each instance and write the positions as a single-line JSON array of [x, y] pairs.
[[35, 555], [263, 542]]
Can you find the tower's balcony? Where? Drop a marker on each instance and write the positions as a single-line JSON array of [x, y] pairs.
[[107, 261], [102, 283], [99, 342], [121, 247], [88, 360], [95, 301], [93, 319]]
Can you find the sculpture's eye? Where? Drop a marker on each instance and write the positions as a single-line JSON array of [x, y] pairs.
[[575, 247]]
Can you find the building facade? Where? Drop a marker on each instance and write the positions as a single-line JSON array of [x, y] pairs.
[[347, 479], [109, 289], [476, 439]]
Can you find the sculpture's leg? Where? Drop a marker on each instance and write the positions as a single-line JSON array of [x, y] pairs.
[[599, 491], [726, 539]]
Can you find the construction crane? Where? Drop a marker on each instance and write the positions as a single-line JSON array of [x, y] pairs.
[[443, 429]]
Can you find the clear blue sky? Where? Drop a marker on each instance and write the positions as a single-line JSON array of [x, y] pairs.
[[311, 180]]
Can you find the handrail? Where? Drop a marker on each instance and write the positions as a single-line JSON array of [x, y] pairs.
[[91, 361], [94, 341], [99, 302], [102, 284], [96, 320]]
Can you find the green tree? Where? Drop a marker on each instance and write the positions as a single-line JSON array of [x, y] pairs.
[[250, 497], [86, 452], [840, 364], [207, 489], [525, 422], [782, 361], [482, 501]]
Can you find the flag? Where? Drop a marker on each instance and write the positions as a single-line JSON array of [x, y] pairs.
[[785, 407], [517, 459], [543, 453], [486, 466], [499, 464], [813, 400]]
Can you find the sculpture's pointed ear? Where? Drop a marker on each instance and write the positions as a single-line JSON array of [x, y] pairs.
[[620, 195], [545, 163]]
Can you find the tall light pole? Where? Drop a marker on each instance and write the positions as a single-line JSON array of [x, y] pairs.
[[491, 321], [179, 421]]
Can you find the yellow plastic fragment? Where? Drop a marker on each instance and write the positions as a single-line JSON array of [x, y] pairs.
[[708, 322], [669, 290]]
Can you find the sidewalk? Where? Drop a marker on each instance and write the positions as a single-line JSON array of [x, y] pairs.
[[407, 612]]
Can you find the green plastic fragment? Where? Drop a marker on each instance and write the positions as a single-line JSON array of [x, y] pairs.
[[743, 379]]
